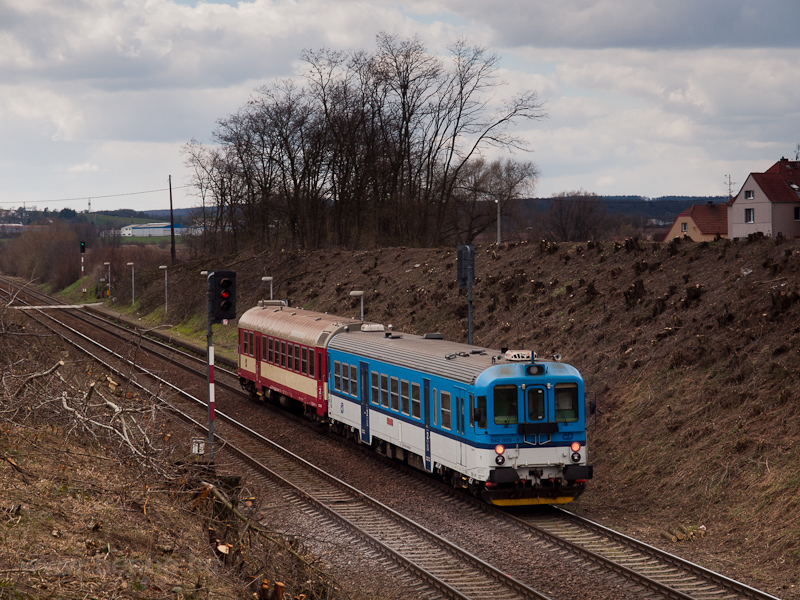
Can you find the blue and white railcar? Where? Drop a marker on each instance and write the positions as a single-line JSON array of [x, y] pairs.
[[506, 426]]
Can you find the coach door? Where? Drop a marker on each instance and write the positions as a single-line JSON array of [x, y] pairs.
[[461, 418], [426, 417], [364, 383]]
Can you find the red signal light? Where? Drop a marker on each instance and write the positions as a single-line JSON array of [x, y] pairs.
[[225, 294]]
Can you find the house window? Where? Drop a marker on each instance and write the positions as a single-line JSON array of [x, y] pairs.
[[683, 227], [749, 215], [797, 213], [748, 194]]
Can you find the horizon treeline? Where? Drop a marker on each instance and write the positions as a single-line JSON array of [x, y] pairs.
[[366, 149]]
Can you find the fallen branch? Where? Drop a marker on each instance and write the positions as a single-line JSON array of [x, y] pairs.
[[30, 378]]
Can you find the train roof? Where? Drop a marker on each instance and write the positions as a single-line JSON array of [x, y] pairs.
[[428, 354], [299, 325]]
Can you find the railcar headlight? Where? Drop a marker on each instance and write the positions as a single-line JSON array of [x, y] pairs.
[[500, 459], [576, 455]]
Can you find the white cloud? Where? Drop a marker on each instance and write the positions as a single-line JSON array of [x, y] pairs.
[[98, 96]]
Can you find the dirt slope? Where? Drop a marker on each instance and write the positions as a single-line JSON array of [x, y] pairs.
[[690, 351]]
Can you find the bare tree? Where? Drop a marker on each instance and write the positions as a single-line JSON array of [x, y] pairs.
[[479, 190], [576, 216], [370, 150]]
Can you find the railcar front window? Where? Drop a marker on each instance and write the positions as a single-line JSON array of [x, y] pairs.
[[535, 404], [505, 405], [566, 402], [480, 406]]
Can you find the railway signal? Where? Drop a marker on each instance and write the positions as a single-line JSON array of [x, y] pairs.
[[222, 296]]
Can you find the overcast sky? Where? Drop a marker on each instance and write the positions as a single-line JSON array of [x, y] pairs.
[[644, 97]]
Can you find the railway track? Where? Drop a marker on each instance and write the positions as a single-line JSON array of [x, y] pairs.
[[661, 574], [448, 570]]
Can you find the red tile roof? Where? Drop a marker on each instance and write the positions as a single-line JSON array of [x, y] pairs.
[[780, 183], [709, 218]]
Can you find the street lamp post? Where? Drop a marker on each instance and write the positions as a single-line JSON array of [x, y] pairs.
[[497, 201], [108, 264], [166, 298], [359, 294], [270, 285], [130, 264]]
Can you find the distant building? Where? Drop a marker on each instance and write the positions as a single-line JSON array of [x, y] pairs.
[[150, 230], [768, 203], [700, 222]]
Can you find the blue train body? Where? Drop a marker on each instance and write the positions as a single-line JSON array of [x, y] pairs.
[[507, 427]]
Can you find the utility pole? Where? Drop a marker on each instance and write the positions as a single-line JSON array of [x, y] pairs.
[[730, 187], [171, 220]]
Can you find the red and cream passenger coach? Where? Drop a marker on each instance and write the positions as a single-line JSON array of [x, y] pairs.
[[282, 350]]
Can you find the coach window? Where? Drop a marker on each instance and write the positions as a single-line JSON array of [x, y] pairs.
[[435, 407], [297, 358], [269, 350], [566, 402], [283, 353], [375, 399], [415, 401], [311, 362], [353, 380], [535, 404], [505, 405], [444, 398], [384, 390], [289, 356], [252, 344], [404, 407], [264, 348], [337, 377], [395, 393], [304, 361], [345, 378], [470, 410]]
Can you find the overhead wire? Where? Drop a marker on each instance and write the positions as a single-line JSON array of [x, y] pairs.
[[79, 198]]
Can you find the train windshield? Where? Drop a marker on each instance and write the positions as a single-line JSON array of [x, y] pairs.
[[505, 405], [566, 402]]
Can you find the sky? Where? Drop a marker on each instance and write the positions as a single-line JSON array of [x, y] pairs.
[[643, 97]]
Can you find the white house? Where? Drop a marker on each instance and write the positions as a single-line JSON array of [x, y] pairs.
[[768, 202]]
